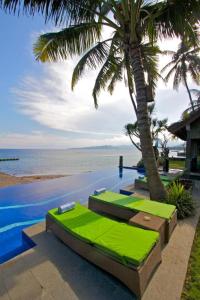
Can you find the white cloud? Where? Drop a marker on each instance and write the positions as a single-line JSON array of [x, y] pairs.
[[48, 100], [43, 140]]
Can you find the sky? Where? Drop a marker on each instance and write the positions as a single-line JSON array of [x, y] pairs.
[[39, 109]]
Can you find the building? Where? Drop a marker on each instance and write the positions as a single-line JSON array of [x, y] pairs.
[[188, 130]]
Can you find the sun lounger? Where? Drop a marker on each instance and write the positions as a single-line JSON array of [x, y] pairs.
[[129, 253], [125, 207], [141, 183]]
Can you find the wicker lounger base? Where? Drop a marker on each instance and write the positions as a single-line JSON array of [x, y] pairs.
[[135, 279], [171, 225], [125, 213]]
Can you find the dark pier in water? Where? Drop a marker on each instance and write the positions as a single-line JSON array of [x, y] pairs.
[[9, 158], [121, 166]]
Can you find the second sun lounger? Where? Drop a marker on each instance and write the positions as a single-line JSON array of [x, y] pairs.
[[125, 207], [129, 253], [141, 183]]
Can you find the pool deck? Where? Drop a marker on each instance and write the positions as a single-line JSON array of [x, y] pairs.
[[51, 271]]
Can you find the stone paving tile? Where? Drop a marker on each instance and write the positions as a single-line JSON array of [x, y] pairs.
[[3, 290], [45, 296], [80, 279], [20, 282]]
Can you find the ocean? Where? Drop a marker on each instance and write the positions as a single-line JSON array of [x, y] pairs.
[[65, 162]]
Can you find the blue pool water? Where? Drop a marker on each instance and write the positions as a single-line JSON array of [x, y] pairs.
[[24, 205]]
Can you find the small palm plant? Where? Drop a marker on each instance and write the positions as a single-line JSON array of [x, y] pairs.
[[156, 127], [182, 199]]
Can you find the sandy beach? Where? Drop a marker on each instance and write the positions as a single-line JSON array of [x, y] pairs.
[[7, 180]]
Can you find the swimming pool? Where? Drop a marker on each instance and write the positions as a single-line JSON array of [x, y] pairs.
[[24, 205]]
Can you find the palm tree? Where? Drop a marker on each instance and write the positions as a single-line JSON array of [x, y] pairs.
[[184, 62], [132, 23], [156, 127]]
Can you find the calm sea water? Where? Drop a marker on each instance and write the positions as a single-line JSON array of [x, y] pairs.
[[70, 161]]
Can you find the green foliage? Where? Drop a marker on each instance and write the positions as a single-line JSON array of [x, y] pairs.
[[160, 17], [185, 115], [91, 59], [191, 290], [156, 127], [140, 163], [186, 61], [60, 12], [65, 43], [182, 199]]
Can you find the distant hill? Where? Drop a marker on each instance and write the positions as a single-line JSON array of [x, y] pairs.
[[104, 147], [172, 146], [177, 147]]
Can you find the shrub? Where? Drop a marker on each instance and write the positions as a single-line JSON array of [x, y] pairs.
[[140, 163], [182, 199]]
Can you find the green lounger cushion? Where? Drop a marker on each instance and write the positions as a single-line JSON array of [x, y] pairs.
[[153, 207], [165, 180], [127, 244], [82, 222]]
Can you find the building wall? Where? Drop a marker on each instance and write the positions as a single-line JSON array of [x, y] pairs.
[[195, 129]]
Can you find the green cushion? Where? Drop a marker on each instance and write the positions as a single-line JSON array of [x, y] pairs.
[[155, 208], [128, 244], [165, 180], [82, 222], [125, 243]]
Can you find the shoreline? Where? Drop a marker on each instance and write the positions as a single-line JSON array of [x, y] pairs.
[[9, 180]]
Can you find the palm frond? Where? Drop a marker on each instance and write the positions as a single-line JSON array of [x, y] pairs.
[[132, 129], [62, 11], [169, 64], [177, 18], [117, 76], [109, 68], [194, 61], [151, 108], [91, 59], [150, 64], [67, 42], [178, 76], [168, 52], [171, 71], [194, 72], [105, 74]]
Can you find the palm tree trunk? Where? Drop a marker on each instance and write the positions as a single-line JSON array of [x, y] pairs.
[[156, 188], [189, 93]]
